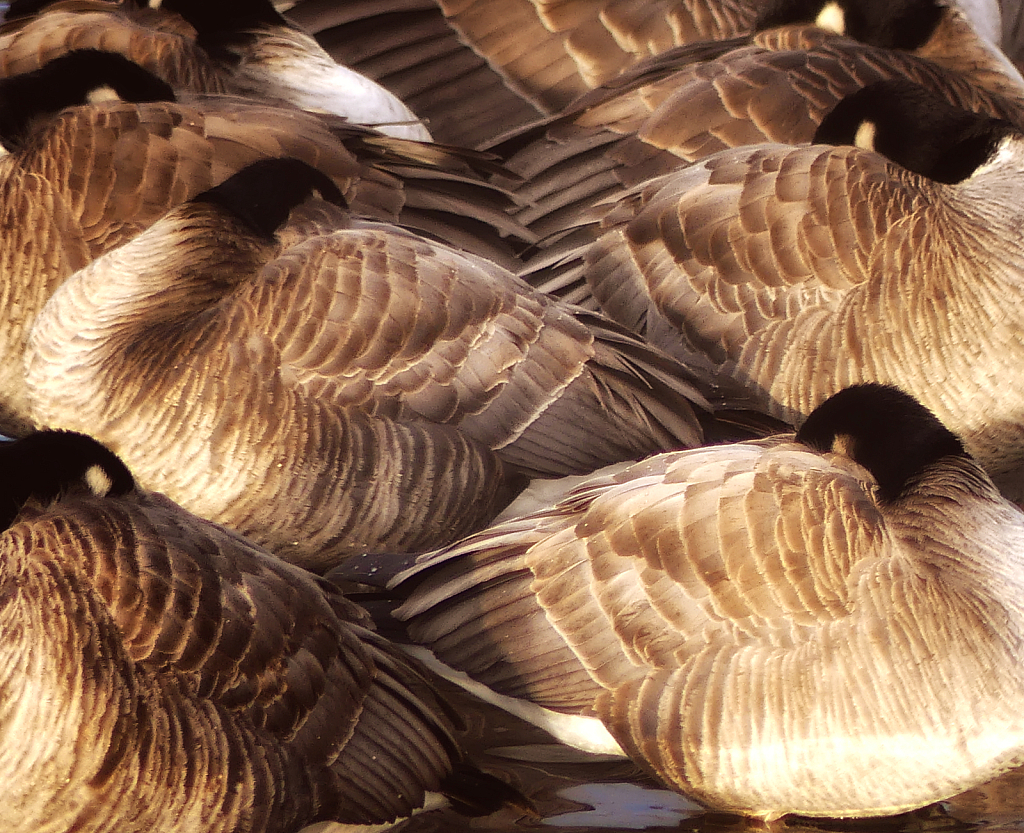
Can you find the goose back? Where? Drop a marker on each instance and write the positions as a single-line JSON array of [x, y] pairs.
[[760, 625], [166, 674], [841, 266], [386, 392]]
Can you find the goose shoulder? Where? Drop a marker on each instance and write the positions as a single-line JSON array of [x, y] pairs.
[[686, 586], [190, 680], [341, 340], [836, 247], [409, 47], [266, 55]]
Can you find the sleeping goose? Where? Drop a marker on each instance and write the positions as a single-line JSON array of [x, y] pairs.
[[799, 270], [243, 47], [327, 386], [94, 175], [690, 102], [829, 624], [162, 673], [549, 53]]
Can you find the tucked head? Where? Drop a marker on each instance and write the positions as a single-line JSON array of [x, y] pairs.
[[82, 76], [264, 193], [885, 430], [915, 128], [891, 24], [48, 464]]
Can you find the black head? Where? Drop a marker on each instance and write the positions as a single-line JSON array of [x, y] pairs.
[[222, 24], [74, 78], [48, 464], [883, 429], [890, 24], [915, 128], [264, 193]]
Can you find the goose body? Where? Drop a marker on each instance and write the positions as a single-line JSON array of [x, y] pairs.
[[247, 49], [97, 174], [162, 673], [768, 627], [817, 267], [688, 103], [328, 387]]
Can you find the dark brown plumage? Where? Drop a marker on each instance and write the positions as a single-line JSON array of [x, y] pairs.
[[332, 385], [162, 673], [693, 101], [95, 175], [827, 625]]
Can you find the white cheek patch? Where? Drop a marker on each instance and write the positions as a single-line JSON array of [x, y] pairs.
[[865, 137], [104, 93], [833, 18], [98, 480]]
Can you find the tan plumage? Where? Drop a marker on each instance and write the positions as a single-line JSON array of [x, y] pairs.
[[689, 103], [767, 627], [163, 44], [797, 271], [96, 175], [409, 47], [550, 53], [162, 673], [278, 63], [555, 52], [338, 388]]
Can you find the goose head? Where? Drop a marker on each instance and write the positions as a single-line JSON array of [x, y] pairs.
[[883, 429], [46, 465], [916, 129], [76, 78], [263, 194], [903, 24]]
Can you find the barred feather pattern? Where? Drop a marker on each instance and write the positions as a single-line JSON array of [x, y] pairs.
[[98, 175], [754, 627], [799, 271], [341, 390], [163, 673], [687, 104]]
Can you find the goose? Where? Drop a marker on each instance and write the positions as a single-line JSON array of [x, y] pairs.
[[243, 47], [548, 54], [796, 271], [828, 624], [327, 386], [163, 673], [85, 180], [690, 102]]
